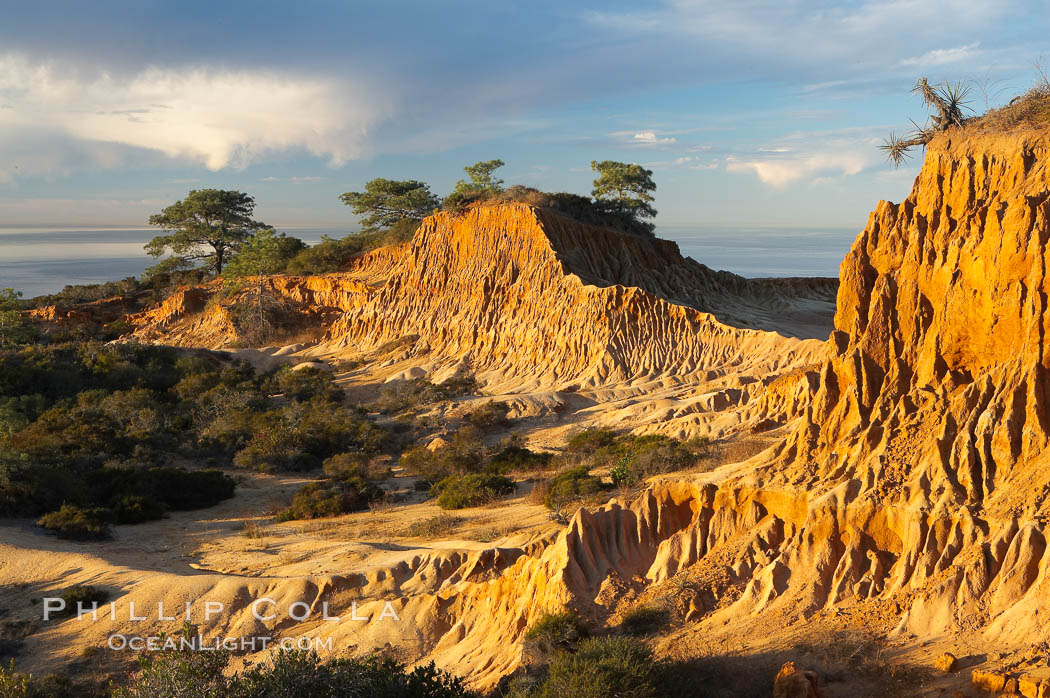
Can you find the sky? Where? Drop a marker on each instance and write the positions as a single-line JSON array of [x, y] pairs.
[[750, 113]]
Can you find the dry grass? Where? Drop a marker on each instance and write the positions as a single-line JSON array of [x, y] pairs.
[[1030, 110], [252, 529], [538, 493], [435, 526], [492, 533], [841, 654], [738, 450]]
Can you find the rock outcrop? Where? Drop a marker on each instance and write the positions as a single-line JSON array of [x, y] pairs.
[[915, 483], [533, 302], [923, 450], [915, 476]]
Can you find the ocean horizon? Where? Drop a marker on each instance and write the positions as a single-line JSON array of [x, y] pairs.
[[40, 261]]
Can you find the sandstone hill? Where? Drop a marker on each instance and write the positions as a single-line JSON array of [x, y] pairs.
[[541, 307], [913, 491]]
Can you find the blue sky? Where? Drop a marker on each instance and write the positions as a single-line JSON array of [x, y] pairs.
[[750, 113]]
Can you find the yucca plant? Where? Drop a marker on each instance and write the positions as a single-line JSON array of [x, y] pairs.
[[948, 100], [896, 149]]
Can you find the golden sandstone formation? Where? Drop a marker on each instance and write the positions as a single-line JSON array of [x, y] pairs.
[[542, 307], [910, 478]]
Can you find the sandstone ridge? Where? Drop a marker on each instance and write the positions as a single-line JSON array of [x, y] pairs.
[[532, 302]]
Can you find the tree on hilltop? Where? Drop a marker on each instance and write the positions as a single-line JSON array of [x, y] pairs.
[[208, 225], [624, 190], [481, 178], [482, 185], [387, 202], [947, 100]]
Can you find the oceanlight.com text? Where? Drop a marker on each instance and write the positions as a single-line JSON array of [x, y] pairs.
[[260, 643]]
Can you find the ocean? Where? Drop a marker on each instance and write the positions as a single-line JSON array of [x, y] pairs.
[[41, 261]]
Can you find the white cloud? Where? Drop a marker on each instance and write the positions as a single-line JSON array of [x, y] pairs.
[[780, 173], [650, 138], [941, 56], [643, 139], [813, 157], [217, 118]]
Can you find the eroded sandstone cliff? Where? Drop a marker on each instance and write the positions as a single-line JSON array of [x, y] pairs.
[[912, 487], [532, 302], [916, 482]]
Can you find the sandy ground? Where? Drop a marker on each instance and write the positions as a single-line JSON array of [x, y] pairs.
[[235, 540]]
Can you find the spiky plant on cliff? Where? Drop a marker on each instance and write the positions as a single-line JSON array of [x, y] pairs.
[[950, 104]]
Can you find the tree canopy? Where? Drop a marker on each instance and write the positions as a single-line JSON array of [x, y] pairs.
[[14, 328], [206, 226], [266, 252], [482, 185], [386, 202], [625, 190], [481, 178]]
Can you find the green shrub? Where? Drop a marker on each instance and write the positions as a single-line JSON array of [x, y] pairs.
[[653, 454], [553, 632], [175, 488], [347, 466], [519, 459], [591, 440], [410, 394], [300, 436], [91, 425], [621, 473], [179, 674], [134, 508], [489, 415], [16, 685], [600, 667], [31, 489], [317, 500], [465, 453], [186, 674], [343, 466], [304, 384], [629, 457], [428, 465], [471, 490], [77, 523], [643, 620], [86, 595], [332, 254], [574, 483]]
